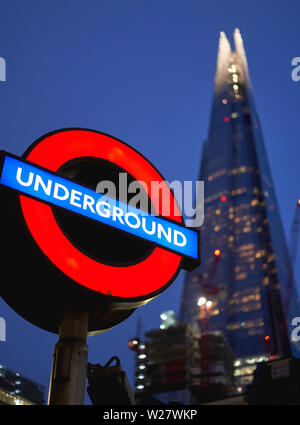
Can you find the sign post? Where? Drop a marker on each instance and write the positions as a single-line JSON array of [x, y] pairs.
[[69, 366]]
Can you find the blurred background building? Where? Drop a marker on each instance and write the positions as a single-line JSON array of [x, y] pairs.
[[237, 306], [170, 364], [18, 390], [244, 287]]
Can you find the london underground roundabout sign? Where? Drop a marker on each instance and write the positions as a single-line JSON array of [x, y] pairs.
[[68, 246]]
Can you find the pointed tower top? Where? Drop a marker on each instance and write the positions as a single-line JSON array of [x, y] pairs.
[[224, 53], [226, 57], [240, 51]]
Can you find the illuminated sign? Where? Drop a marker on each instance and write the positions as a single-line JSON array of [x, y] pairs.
[[67, 245], [55, 190]]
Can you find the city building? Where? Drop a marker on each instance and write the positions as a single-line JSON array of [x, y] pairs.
[[245, 278], [162, 362], [170, 367], [18, 390], [275, 382]]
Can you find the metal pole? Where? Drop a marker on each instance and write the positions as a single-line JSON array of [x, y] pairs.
[[69, 365]]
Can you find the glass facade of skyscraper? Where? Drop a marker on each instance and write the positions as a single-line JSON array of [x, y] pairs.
[[249, 282]]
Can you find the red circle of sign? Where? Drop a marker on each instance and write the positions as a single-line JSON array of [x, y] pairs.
[[137, 280]]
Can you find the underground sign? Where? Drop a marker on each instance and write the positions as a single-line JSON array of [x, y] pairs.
[[66, 245]]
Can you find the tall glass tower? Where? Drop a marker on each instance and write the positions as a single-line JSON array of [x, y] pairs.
[[245, 273]]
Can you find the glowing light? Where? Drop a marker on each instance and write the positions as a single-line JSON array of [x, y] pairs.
[[226, 119], [208, 304], [224, 101], [140, 387], [163, 316], [217, 252], [223, 198], [201, 301], [232, 69], [267, 338]]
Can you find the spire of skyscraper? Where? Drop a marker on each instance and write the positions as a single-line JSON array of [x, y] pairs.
[[239, 48], [224, 53]]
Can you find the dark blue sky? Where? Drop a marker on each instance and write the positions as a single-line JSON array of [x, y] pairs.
[[142, 71]]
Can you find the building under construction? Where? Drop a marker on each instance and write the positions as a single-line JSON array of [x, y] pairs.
[[170, 365]]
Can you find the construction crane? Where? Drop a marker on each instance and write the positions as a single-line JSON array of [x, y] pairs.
[[209, 290]]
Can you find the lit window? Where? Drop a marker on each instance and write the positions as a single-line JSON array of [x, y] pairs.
[[254, 202], [266, 281], [140, 387]]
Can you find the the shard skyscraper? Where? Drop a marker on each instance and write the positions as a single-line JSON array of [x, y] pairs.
[[245, 273]]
